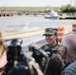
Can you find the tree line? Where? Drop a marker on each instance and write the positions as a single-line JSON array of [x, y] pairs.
[[68, 9]]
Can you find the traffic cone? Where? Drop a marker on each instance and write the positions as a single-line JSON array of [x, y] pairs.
[[74, 28], [0, 34], [61, 33]]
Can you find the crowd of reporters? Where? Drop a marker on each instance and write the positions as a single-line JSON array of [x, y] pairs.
[[48, 59]]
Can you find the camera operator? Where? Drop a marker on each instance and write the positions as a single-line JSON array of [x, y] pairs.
[[22, 63], [13, 54]]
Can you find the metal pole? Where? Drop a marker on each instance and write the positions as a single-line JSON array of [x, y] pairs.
[[71, 3], [74, 3]]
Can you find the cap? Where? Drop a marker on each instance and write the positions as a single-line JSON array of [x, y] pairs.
[[50, 31]]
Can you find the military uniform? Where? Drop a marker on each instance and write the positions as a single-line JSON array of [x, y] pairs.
[[49, 31], [49, 48], [53, 48]]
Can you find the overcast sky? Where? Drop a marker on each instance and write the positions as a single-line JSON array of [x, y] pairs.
[[56, 3]]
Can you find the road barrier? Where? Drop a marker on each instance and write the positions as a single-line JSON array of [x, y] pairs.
[[0, 34], [61, 33], [62, 30], [74, 28], [23, 34]]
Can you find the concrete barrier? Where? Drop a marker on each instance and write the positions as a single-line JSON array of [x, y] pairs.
[[68, 28], [23, 34]]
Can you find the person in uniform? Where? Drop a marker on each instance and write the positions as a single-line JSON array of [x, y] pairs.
[[52, 46], [51, 37]]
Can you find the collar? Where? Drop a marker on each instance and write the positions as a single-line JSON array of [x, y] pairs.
[[53, 46], [69, 62]]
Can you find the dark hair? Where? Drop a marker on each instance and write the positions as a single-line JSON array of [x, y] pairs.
[[54, 65], [55, 33]]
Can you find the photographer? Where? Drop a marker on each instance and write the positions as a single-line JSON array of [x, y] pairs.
[[13, 54], [22, 63]]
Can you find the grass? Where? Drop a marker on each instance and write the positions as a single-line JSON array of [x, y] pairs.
[[28, 8]]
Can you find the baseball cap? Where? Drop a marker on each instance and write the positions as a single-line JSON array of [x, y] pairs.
[[50, 31]]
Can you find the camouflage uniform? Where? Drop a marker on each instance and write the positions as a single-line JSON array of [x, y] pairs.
[[47, 46], [53, 48]]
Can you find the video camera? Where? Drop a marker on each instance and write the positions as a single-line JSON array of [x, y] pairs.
[[41, 56], [13, 53], [50, 52], [37, 50], [19, 62]]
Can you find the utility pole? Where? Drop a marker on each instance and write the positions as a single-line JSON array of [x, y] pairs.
[[71, 3], [74, 3]]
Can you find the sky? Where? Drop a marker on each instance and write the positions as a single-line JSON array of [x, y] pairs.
[[38, 3]]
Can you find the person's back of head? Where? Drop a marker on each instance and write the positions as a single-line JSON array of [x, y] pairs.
[[69, 41], [54, 66], [68, 48]]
